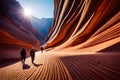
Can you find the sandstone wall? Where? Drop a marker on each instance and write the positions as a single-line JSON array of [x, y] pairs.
[[85, 25]]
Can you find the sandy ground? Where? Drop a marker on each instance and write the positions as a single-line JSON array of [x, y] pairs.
[[51, 66]]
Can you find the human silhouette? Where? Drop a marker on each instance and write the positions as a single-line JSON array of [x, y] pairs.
[[32, 54], [23, 55], [41, 49]]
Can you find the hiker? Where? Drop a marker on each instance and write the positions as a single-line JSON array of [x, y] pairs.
[[41, 49], [23, 55], [32, 54]]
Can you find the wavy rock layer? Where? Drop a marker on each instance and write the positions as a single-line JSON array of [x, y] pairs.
[[52, 66], [84, 25], [16, 31]]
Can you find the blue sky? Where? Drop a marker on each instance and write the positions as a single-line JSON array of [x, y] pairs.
[[39, 8]]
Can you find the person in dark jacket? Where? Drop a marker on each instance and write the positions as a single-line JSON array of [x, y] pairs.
[[23, 55], [41, 49], [32, 54]]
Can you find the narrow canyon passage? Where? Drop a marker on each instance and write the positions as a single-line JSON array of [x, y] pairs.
[[81, 40], [51, 66]]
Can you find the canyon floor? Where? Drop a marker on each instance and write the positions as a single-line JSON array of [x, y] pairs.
[[65, 66]]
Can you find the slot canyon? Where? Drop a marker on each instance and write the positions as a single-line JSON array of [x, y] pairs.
[[83, 42]]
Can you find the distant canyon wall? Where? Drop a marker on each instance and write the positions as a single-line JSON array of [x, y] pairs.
[[84, 25], [16, 31]]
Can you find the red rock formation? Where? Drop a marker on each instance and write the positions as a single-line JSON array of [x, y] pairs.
[[79, 25], [16, 31], [85, 25]]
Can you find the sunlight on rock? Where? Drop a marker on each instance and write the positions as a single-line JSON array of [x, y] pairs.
[[83, 42]]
